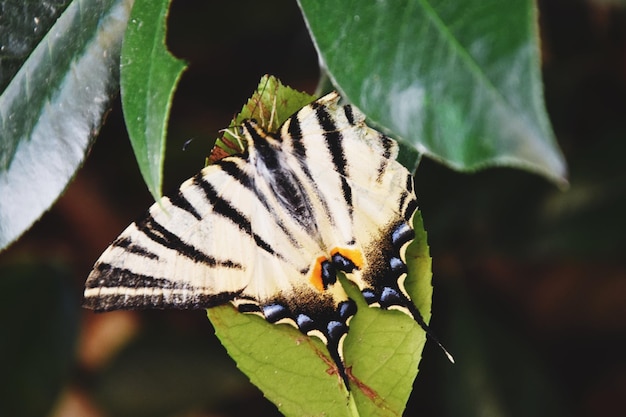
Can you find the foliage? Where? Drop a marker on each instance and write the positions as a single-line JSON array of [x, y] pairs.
[[460, 83], [52, 107], [149, 75]]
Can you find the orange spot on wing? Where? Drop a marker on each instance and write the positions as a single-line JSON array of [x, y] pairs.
[[316, 274], [354, 255]]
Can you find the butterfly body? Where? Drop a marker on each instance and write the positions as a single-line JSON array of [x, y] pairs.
[[268, 230]]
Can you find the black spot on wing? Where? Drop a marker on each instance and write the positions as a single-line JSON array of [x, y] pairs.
[[347, 110], [250, 307], [342, 263], [407, 201], [388, 144], [410, 209], [402, 234]]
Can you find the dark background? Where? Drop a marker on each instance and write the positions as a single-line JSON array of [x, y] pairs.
[[530, 281]]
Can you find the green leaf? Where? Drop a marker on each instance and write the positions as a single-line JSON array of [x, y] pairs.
[[149, 75], [295, 372], [291, 369], [53, 107], [271, 104], [460, 81]]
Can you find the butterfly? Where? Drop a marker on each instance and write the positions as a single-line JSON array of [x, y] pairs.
[[269, 229]]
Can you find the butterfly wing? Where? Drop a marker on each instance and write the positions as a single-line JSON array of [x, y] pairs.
[[197, 249], [369, 196], [224, 236], [164, 261]]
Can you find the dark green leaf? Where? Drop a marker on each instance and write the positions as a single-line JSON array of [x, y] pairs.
[[22, 26], [53, 107], [460, 81], [149, 75]]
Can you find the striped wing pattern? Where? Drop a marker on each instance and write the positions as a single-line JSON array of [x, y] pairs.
[[268, 230]]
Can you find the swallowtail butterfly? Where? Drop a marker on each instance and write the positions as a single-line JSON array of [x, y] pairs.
[[269, 229]]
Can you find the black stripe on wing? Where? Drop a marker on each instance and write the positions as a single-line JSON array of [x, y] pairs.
[[284, 183], [293, 136], [295, 133], [347, 110], [230, 167], [129, 292], [129, 246], [410, 183], [159, 234], [387, 144], [110, 276], [180, 201], [335, 147], [407, 203], [410, 209], [226, 210]]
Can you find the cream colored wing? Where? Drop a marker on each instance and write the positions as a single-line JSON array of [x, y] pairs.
[[217, 239], [366, 198]]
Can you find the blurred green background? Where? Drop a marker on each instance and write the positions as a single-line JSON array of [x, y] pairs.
[[530, 281]]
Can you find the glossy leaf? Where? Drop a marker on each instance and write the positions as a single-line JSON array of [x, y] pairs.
[[22, 27], [54, 106], [149, 75], [460, 81]]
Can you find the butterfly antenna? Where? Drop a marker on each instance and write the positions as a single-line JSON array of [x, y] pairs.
[[233, 132], [187, 143]]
